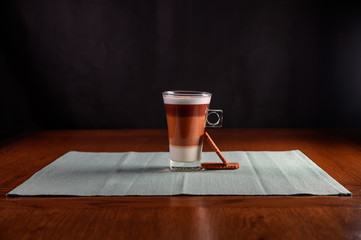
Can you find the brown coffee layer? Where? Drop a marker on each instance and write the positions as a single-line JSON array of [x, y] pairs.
[[186, 110], [186, 131]]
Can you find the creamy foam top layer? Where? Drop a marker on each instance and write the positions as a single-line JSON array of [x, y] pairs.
[[186, 100]]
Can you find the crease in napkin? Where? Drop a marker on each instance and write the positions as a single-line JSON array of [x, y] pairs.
[[142, 174]]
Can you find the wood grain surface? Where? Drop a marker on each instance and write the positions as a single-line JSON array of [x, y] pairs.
[[337, 151]]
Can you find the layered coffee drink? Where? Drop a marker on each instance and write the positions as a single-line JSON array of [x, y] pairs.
[[186, 118]]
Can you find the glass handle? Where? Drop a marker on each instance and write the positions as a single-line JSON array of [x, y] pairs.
[[218, 121]]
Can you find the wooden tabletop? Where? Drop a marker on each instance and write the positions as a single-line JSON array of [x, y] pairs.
[[337, 151]]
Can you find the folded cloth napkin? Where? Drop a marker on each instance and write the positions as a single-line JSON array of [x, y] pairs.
[[135, 173]]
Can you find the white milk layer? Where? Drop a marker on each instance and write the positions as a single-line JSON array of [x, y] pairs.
[[187, 100], [185, 154]]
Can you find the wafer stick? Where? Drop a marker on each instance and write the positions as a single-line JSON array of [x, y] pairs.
[[216, 166], [215, 148]]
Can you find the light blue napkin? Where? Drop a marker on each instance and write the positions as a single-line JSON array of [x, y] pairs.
[[134, 173]]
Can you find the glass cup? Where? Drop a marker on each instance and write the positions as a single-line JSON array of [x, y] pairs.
[[187, 116]]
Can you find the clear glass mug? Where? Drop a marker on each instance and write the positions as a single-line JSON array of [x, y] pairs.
[[187, 116]]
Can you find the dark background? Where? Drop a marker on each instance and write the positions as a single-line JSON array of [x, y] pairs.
[[76, 64]]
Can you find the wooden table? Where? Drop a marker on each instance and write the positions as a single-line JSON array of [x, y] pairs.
[[338, 152]]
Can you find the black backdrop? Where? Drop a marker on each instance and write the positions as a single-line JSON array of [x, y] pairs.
[[70, 64]]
